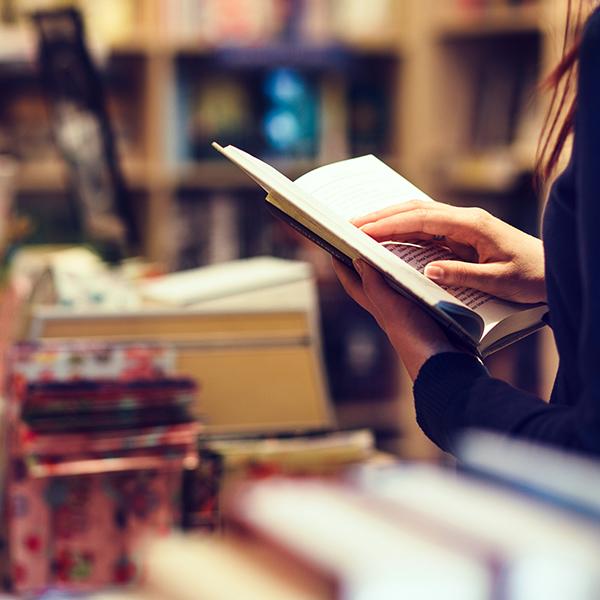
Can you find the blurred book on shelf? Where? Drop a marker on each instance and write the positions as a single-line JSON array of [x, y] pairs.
[[499, 137], [341, 538], [505, 94], [208, 23], [272, 108], [369, 23], [215, 569], [215, 102], [391, 530], [73, 278], [488, 16], [75, 95], [255, 22], [309, 540], [369, 107], [25, 122], [219, 226], [255, 345], [490, 5], [17, 40], [290, 119], [227, 460]]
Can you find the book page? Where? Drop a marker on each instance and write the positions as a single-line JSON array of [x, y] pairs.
[[359, 186], [490, 308], [420, 255]]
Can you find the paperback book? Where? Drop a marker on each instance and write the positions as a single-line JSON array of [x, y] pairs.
[[321, 204]]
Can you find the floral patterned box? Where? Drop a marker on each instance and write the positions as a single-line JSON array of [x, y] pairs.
[[81, 503], [86, 532]]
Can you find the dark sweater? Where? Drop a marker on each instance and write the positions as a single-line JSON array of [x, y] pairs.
[[454, 391]]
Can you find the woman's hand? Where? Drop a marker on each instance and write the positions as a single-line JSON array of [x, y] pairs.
[[495, 257], [413, 333]]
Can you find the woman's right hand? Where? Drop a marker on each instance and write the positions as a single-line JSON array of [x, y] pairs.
[[495, 257]]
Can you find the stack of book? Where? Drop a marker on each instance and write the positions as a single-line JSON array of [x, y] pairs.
[[400, 530], [98, 438], [227, 460]]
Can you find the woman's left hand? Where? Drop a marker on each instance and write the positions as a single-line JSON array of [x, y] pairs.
[[413, 333]]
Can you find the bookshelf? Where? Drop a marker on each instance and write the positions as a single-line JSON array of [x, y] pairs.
[[410, 81]]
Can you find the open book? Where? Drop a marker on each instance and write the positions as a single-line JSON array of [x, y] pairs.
[[320, 205]]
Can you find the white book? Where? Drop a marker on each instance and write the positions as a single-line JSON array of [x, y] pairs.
[[370, 556], [540, 552], [320, 205], [564, 477], [224, 279]]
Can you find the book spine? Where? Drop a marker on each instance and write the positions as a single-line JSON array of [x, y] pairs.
[[277, 212]]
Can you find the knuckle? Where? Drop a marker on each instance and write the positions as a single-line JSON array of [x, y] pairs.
[[421, 215], [479, 216], [414, 203], [459, 274]]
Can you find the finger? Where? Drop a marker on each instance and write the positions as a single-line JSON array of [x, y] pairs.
[[415, 223], [347, 276], [413, 236], [453, 273], [462, 251], [464, 225], [394, 209]]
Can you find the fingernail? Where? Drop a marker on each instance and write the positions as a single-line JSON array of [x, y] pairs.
[[434, 273], [358, 265]]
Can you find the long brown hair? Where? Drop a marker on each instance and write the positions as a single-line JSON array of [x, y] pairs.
[[561, 83]]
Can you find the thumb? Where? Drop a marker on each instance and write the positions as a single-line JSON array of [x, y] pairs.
[[455, 273], [379, 294]]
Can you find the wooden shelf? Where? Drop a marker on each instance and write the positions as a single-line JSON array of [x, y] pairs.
[[312, 54], [493, 172], [41, 176], [50, 176], [149, 47], [492, 20], [221, 174]]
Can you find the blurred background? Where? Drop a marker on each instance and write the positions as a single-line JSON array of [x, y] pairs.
[[444, 91]]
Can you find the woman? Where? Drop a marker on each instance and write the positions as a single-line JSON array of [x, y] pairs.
[[452, 388]]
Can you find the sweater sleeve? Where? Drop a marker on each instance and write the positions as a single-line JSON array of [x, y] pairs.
[[454, 391]]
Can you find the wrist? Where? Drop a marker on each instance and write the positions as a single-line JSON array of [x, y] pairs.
[[415, 355]]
